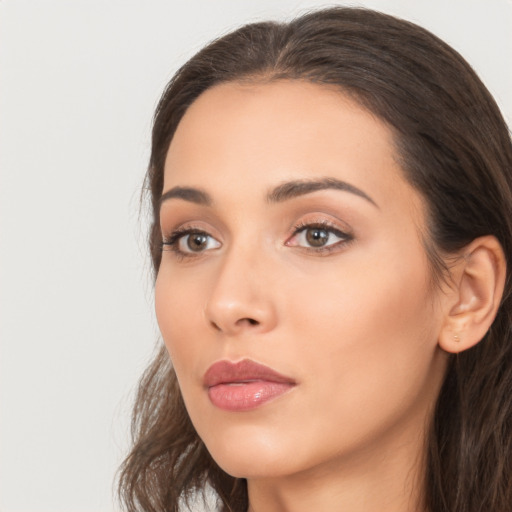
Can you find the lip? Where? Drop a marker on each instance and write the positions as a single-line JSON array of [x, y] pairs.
[[244, 385]]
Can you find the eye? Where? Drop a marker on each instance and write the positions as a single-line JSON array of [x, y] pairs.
[[190, 242], [318, 236]]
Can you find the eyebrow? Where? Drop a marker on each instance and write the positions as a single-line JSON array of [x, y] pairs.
[[298, 188], [193, 195], [283, 192]]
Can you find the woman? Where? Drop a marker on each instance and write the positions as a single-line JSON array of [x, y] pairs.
[[332, 227]]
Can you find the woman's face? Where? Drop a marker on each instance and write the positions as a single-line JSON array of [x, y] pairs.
[[292, 240]]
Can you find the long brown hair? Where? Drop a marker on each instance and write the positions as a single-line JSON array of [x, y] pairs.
[[454, 147]]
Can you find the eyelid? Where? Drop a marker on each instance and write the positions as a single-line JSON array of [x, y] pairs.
[[180, 227], [338, 228], [172, 240], [345, 234]]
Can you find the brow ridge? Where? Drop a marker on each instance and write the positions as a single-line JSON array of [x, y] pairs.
[[193, 195], [283, 192], [296, 188]]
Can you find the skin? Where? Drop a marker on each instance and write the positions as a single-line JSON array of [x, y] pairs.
[[357, 327]]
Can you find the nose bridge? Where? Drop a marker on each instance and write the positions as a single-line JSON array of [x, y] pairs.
[[240, 297]]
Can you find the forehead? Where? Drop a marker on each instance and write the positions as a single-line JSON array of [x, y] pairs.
[[242, 137], [283, 111]]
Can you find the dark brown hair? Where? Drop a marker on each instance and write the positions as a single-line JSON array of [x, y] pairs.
[[454, 147]]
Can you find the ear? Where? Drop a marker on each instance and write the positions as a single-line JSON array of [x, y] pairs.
[[478, 279]]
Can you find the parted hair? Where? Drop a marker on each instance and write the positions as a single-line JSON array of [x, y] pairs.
[[454, 147]]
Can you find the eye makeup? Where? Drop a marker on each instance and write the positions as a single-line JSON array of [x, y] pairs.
[[189, 242], [321, 237]]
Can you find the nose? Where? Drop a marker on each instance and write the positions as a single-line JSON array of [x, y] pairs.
[[240, 300]]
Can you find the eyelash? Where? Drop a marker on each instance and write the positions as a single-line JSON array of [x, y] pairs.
[[302, 226], [171, 242]]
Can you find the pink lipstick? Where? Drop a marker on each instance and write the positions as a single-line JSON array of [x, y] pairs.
[[244, 385]]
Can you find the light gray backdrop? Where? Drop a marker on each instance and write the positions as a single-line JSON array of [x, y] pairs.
[[79, 80]]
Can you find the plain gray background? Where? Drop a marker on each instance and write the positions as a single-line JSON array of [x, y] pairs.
[[79, 80]]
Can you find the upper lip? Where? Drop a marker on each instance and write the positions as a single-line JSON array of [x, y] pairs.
[[226, 372]]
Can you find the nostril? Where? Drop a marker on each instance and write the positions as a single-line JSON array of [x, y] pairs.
[[240, 324], [251, 321]]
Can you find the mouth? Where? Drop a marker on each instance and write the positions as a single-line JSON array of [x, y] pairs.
[[244, 385]]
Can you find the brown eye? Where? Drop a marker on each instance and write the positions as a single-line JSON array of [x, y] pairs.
[[317, 237], [193, 242], [197, 241]]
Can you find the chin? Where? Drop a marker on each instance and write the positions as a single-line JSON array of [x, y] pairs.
[[251, 452]]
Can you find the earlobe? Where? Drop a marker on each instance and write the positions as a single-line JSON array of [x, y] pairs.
[[474, 298]]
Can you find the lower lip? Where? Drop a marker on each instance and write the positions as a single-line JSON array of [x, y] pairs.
[[246, 396]]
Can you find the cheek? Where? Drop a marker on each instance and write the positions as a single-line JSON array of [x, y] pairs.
[[370, 331], [361, 296], [179, 315]]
